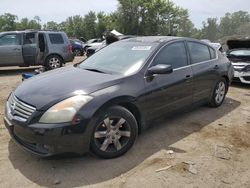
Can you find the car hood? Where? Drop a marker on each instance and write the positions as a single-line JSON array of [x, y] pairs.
[[54, 86], [238, 44]]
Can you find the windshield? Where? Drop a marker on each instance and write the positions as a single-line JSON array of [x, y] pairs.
[[240, 53], [120, 57]]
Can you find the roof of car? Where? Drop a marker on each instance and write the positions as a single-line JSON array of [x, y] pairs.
[[27, 31], [161, 39], [152, 39]]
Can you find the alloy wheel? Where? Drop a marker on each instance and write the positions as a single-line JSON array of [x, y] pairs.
[[220, 92], [112, 134], [54, 63]]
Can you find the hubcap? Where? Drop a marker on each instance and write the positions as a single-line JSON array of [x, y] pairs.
[[112, 134], [220, 92], [54, 63]]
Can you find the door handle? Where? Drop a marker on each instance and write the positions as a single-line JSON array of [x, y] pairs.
[[188, 77], [216, 67], [17, 49]]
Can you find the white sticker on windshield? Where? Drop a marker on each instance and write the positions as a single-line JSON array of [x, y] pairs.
[[141, 48]]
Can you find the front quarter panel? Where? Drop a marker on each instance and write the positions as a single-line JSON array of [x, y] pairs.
[[128, 90]]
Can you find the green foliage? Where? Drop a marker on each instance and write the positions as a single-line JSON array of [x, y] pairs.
[[153, 17], [51, 26], [138, 17], [8, 22], [210, 29]]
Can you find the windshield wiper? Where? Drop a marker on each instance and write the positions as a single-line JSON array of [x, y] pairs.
[[95, 70]]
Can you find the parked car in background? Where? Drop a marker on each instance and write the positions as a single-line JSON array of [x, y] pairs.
[[239, 54], [217, 46], [109, 40], [103, 103], [92, 42], [30, 48], [92, 49], [77, 47]]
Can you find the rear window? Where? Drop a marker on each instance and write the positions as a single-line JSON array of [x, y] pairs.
[[199, 52], [56, 39]]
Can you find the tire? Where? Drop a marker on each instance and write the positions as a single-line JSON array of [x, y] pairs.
[[53, 62], [114, 133], [78, 52], [219, 93]]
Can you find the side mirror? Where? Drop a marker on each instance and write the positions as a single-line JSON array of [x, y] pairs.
[[160, 69]]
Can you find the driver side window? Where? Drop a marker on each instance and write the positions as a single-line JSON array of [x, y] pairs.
[[173, 54]]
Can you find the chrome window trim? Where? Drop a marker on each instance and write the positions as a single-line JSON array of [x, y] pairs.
[[189, 64]]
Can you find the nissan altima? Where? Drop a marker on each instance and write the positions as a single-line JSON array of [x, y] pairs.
[[103, 103]]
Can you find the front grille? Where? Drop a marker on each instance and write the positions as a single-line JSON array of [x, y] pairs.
[[20, 109], [247, 78], [239, 67]]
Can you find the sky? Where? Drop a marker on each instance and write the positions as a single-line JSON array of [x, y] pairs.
[[59, 10]]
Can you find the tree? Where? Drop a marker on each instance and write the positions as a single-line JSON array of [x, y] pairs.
[[8, 22], [34, 23], [51, 26], [210, 29], [89, 24], [101, 25], [244, 30], [23, 24], [74, 26], [231, 22], [153, 17]]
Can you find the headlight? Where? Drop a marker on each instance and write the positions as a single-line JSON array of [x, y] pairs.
[[65, 110]]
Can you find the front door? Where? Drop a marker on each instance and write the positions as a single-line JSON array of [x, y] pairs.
[[30, 48], [11, 50], [169, 92]]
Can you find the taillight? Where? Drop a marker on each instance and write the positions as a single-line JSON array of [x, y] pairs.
[[69, 48]]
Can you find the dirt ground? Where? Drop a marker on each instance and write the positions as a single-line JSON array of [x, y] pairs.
[[204, 147]]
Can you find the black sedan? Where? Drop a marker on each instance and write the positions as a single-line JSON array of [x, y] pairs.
[[102, 104]]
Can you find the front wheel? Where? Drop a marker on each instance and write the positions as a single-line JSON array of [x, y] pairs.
[[114, 133], [219, 93]]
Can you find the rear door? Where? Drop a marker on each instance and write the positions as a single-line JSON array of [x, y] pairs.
[[30, 48], [205, 68], [10, 50], [169, 92]]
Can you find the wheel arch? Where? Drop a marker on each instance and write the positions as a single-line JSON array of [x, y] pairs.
[[126, 102], [53, 54], [227, 80]]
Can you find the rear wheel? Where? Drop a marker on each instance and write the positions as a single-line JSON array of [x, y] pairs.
[[219, 93], [54, 62], [77, 52], [114, 133]]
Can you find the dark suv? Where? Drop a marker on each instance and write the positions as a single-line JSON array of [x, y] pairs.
[[103, 103], [28, 48]]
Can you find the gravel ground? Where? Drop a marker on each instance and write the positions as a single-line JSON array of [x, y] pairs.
[[204, 147]]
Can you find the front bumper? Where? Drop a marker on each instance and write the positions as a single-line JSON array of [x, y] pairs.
[[44, 142], [243, 77]]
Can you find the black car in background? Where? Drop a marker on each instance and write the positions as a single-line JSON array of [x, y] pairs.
[[102, 104], [77, 47]]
